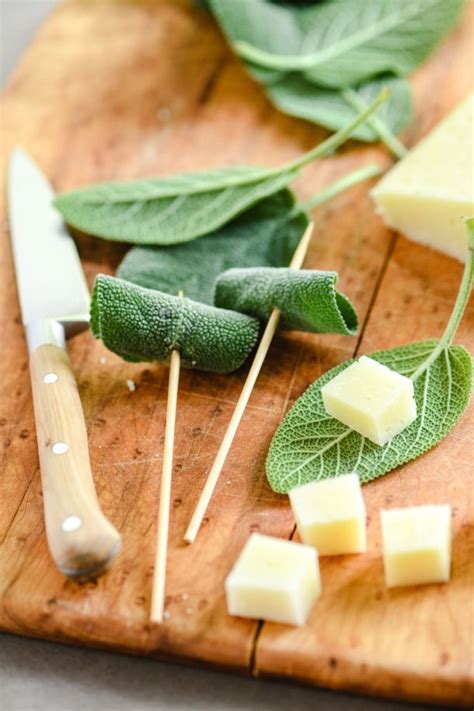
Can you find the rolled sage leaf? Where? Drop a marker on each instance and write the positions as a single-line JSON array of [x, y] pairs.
[[307, 299], [146, 325]]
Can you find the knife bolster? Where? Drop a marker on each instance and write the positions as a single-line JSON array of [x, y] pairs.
[[45, 331]]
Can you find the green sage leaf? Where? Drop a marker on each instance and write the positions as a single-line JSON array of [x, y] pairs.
[[181, 208], [146, 325], [296, 96], [310, 445], [265, 235], [340, 43], [307, 299], [144, 212]]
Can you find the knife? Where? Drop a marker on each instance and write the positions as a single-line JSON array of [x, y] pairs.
[[54, 302]]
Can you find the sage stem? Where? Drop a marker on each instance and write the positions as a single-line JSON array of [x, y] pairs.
[[459, 306]]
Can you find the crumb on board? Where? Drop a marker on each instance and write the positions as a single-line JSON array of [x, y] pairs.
[[189, 610], [184, 596], [167, 614], [103, 360], [131, 385], [163, 114]]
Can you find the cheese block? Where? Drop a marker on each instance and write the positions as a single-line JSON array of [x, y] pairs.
[[429, 194], [330, 515], [375, 401], [274, 579], [416, 545]]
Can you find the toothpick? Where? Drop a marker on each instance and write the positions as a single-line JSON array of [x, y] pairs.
[[254, 371], [159, 573]]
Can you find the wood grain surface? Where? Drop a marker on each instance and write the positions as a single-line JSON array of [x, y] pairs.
[[128, 88]]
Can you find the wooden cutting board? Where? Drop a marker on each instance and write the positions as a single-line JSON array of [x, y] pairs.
[[128, 88]]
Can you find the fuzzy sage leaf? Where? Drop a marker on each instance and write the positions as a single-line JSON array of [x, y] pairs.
[[311, 445], [332, 108], [146, 325], [180, 208], [265, 235], [338, 43], [307, 299]]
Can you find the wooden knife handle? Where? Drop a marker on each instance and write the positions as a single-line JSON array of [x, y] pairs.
[[81, 540]]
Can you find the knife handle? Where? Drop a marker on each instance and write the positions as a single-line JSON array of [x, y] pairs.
[[81, 540]]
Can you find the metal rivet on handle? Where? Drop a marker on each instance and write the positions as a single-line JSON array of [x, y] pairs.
[[50, 378], [59, 448], [71, 523]]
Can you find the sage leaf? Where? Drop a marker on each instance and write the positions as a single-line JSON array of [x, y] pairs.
[[182, 207], [296, 96], [339, 43], [146, 325], [310, 445], [135, 212], [265, 235], [307, 299]]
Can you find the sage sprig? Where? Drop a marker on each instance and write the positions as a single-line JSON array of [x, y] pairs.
[[309, 445], [180, 208], [310, 56]]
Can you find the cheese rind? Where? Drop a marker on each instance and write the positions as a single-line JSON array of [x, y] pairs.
[[330, 515], [274, 579], [430, 193], [371, 399], [416, 545]]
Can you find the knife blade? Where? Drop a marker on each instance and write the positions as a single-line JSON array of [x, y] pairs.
[[54, 301]]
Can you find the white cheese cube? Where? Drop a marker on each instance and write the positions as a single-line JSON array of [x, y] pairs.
[[330, 515], [371, 399], [416, 545], [275, 580], [429, 193]]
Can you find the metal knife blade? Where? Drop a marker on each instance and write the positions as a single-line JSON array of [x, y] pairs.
[[51, 283]]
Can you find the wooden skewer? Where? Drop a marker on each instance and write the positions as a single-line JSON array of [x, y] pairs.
[[254, 371], [159, 573]]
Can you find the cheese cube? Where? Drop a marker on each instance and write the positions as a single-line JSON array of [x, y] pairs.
[[330, 515], [371, 399], [416, 545], [275, 580], [429, 193]]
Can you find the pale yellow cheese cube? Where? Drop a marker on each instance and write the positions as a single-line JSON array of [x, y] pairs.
[[371, 399], [430, 193], [274, 579], [416, 545], [330, 515]]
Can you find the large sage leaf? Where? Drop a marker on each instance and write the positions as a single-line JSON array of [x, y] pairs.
[[146, 325], [307, 299], [338, 43], [147, 211], [310, 445], [181, 208], [265, 235], [333, 108]]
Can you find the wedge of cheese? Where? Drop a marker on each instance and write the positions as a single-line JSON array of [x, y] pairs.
[[429, 193]]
